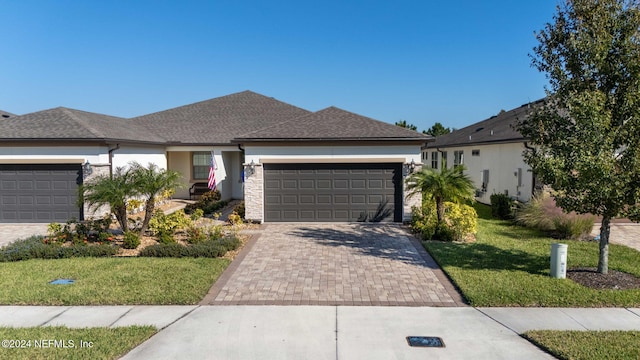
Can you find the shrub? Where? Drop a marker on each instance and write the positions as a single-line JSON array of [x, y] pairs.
[[502, 206], [443, 233], [239, 209], [209, 202], [541, 213], [197, 235], [234, 219], [166, 225], [131, 240], [196, 214], [35, 248], [572, 226], [209, 248], [462, 220], [163, 250], [424, 220]]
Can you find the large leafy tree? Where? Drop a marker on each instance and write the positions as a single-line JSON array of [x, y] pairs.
[[149, 182], [437, 129], [447, 184], [586, 136]]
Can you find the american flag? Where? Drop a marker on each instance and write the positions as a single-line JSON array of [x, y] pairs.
[[212, 173]]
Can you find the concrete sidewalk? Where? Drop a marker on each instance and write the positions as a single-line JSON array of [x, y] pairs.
[[327, 332]]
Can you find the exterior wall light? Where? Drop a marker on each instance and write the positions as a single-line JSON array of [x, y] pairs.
[[250, 168], [86, 169]]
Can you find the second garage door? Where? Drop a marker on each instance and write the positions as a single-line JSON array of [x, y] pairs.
[[332, 192], [39, 193]]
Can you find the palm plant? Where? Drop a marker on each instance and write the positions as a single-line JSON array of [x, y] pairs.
[[149, 182], [448, 184], [112, 191]]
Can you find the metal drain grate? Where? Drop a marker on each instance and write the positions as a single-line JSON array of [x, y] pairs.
[[425, 341], [62, 282]]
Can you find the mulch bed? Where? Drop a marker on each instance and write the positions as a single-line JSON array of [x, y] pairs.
[[614, 280]]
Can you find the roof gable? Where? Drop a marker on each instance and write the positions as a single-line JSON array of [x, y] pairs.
[[219, 120], [496, 129], [333, 123]]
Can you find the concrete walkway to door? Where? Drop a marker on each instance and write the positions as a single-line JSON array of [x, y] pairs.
[[334, 264]]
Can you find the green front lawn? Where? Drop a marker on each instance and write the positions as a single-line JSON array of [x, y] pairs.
[[66, 343], [588, 345], [509, 266], [109, 281]]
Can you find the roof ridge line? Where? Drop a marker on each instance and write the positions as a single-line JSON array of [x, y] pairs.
[[82, 122]]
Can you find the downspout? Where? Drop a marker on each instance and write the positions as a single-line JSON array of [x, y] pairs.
[[533, 175], [111, 160], [444, 161]]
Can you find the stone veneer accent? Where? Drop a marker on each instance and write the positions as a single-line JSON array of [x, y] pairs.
[[415, 200], [95, 213], [254, 195]]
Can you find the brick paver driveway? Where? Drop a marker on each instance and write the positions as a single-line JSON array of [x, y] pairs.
[[334, 264]]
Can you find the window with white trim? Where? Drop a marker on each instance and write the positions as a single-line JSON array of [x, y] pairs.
[[458, 157], [434, 159], [200, 162]]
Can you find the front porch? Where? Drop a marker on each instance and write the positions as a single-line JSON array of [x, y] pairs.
[[193, 163]]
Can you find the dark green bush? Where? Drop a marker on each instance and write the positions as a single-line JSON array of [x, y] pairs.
[[34, 248], [210, 249], [501, 206], [239, 209], [131, 240], [444, 233]]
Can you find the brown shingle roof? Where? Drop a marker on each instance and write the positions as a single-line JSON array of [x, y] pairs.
[[219, 120], [5, 114], [332, 124], [69, 124], [496, 129]]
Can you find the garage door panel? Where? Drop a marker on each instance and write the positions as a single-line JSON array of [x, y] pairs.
[[39, 192], [331, 192]]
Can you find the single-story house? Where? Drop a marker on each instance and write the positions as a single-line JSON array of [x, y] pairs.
[[492, 152], [287, 163]]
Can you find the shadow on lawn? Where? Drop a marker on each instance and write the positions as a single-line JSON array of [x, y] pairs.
[[484, 256], [379, 240]]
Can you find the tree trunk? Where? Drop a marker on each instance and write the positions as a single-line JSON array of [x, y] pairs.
[[149, 209], [603, 260], [121, 217], [440, 210]]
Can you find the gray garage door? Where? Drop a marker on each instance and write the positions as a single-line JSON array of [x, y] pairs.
[[332, 192], [39, 193]]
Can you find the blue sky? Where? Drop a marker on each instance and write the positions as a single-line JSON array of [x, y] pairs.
[[454, 62]]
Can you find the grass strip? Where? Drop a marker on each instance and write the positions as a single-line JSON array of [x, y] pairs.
[[109, 281], [65, 343], [587, 345], [509, 265]]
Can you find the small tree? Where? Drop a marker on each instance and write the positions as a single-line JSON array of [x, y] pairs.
[[436, 130], [112, 191], [404, 124], [587, 136], [149, 182], [447, 184]]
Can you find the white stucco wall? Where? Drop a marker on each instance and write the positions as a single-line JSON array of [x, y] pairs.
[[143, 155], [502, 161], [59, 154]]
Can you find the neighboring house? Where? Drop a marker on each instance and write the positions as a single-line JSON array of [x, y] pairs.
[[491, 150], [287, 163]]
